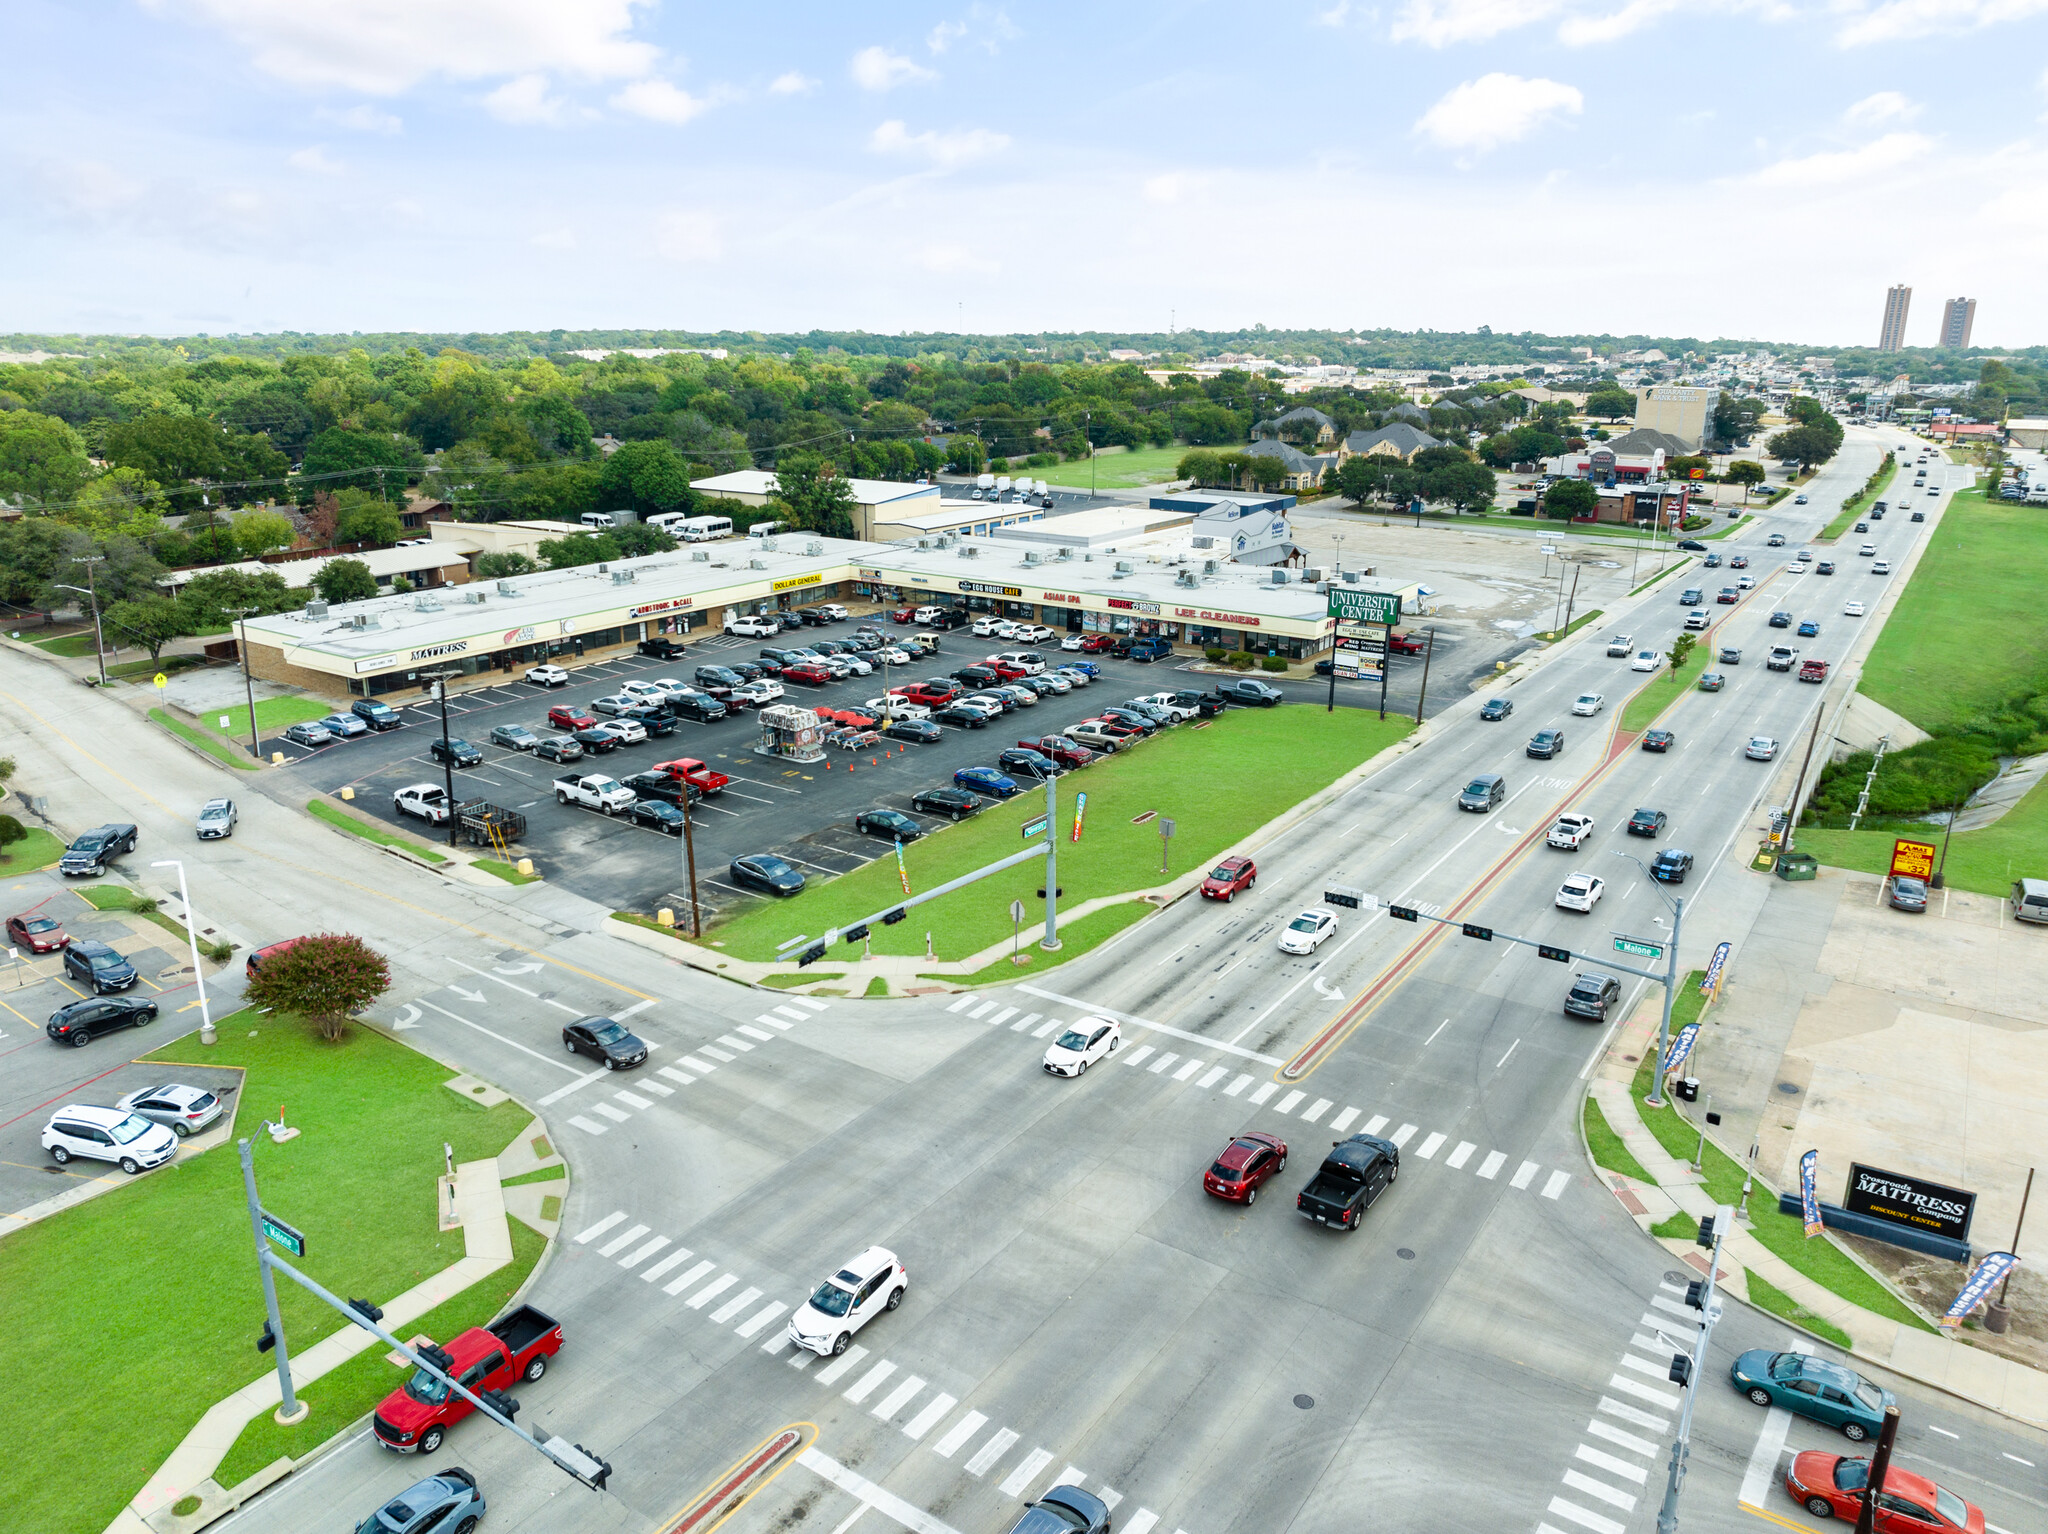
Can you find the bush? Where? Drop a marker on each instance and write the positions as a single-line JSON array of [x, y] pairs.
[[1273, 663], [1917, 780], [1215, 653], [1241, 659]]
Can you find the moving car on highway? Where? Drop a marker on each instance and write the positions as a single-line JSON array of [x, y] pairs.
[[1581, 892], [1244, 1166], [1089, 1039], [1308, 931], [847, 1301]]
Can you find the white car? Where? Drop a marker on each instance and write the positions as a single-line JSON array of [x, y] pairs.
[[859, 665], [1761, 748], [1176, 711], [1571, 831], [1868, 550], [1088, 1040], [1308, 931], [1034, 633], [1646, 660], [1880, 567], [127, 1139], [614, 703], [629, 732], [1581, 892], [1798, 567], [422, 801], [896, 708], [985, 627], [1058, 681], [757, 693], [832, 610], [1072, 642], [1745, 583], [889, 655], [1620, 645], [1078, 678], [868, 1285], [547, 676], [1030, 662], [1589, 704], [1852, 609], [652, 692]]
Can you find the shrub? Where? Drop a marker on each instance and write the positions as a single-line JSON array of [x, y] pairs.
[[326, 979], [1241, 659], [1215, 653], [1273, 663]]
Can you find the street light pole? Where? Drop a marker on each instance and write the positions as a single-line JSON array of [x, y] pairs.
[[206, 1033], [242, 655], [93, 591], [1677, 909], [1051, 941]]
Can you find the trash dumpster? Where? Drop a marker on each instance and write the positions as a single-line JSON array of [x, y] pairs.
[[1798, 865]]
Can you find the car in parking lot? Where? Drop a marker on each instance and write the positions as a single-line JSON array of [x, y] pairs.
[[547, 676], [1086, 1041], [757, 693], [1308, 931], [127, 1139], [1132, 719], [567, 716], [657, 815], [378, 716], [1657, 740], [1580, 892], [1671, 866], [1908, 894], [344, 726], [1588, 703], [767, 873], [953, 803], [1062, 750], [1103, 735], [613, 704], [1712, 681], [448, 1503], [986, 781], [309, 735], [847, 1301], [1546, 743], [658, 723], [965, 715], [1249, 692], [1832, 1486], [422, 801], [627, 732], [514, 737], [1026, 762], [181, 1109], [917, 732], [97, 967], [893, 824], [80, 1022], [597, 740], [455, 751], [1496, 708], [36, 932], [663, 787], [1761, 748], [559, 748]]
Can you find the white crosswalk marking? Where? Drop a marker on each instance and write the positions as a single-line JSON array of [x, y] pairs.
[[845, 1361], [610, 1112], [657, 1088], [1600, 1490], [1286, 1104], [717, 1054], [928, 1419], [1644, 1366], [586, 1125], [1343, 1120], [1266, 1090], [1002, 1017], [620, 1243], [1073, 1475], [864, 1387], [732, 1043], [1628, 1413], [1376, 1123], [1613, 1434], [777, 1342], [1141, 1521], [899, 1398], [962, 1003], [1457, 1158], [1237, 1086], [1431, 1146], [795, 1016], [675, 1259], [1490, 1167], [1400, 1136], [1019, 1480], [634, 1259], [983, 1010], [697, 1065], [1585, 1520], [1556, 1184], [1023, 1024], [1162, 1062], [1109, 1498], [1214, 1076], [802, 1359], [735, 1305], [630, 1100], [1137, 1054], [1613, 1464], [754, 1033], [761, 1318], [693, 1276], [960, 1433], [997, 1446], [712, 1291], [1046, 1027], [772, 1021], [683, 1078], [1686, 1311], [1189, 1069], [1316, 1110], [1667, 1399], [1523, 1174], [584, 1238]]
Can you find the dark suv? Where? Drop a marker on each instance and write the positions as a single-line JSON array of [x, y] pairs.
[[1592, 993], [88, 857], [97, 967]]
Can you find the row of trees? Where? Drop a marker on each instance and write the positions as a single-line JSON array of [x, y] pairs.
[[1443, 475]]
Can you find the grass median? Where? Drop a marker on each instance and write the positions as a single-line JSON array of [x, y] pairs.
[[1218, 783], [39, 849], [341, 820], [1656, 695], [206, 741], [1857, 503], [173, 1245]]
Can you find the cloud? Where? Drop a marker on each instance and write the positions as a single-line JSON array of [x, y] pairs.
[[1496, 109], [944, 150], [949, 260], [526, 101], [1335, 16], [659, 101], [945, 34], [989, 27], [563, 238], [314, 159], [1438, 23], [877, 69], [360, 119], [1171, 186], [382, 47], [1843, 168], [689, 237], [1896, 20], [1584, 31], [792, 84], [1883, 107]]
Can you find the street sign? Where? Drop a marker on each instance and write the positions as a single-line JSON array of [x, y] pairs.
[[283, 1235], [1016, 910], [159, 681], [1033, 828], [1639, 948], [1165, 827], [1364, 606]]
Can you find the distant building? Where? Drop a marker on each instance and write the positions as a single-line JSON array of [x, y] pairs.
[[1677, 412], [874, 500], [1958, 317], [1326, 429], [1896, 302], [1398, 439], [1300, 471], [2029, 431]]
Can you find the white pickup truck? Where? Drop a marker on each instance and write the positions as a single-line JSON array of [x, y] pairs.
[[423, 801], [1570, 831], [1781, 657], [597, 791], [1621, 645], [736, 623]]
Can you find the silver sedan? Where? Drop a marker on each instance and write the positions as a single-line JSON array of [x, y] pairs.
[[181, 1109]]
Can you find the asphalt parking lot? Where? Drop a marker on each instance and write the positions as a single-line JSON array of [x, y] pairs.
[[804, 814]]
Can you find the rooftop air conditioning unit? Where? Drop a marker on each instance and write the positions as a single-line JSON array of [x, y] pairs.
[[475, 597], [700, 556], [1187, 578], [757, 564], [1123, 567], [363, 621], [1065, 554], [1351, 577], [1030, 556], [814, 547], [769, 546], [1313, 573], [924, 543], [603, 569], [425, 603], [623, 577], [1279, 577], [316, 609], [1210, 567], [509, 589], [1120, 574], [1204, 542]]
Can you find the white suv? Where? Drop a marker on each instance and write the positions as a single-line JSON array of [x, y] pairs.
[[127, 1139], [840, 1306], [1029, 661]]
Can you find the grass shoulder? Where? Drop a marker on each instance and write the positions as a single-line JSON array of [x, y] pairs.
[[498, 869], [272, 715], [1767, 1296], [1607, 1147], [1652, 698], [342, 821], [39, 849], [206, 741], [1076, 938]]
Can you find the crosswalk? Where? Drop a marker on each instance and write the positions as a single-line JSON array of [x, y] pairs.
[[913, 1405], [664, 1081], [1611, 1466], [1206, 1074]]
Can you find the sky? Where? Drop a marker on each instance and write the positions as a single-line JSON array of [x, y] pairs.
[[1739, 169]]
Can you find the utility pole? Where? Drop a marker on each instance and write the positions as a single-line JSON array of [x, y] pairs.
[[289, 1410], [1570, 602], [1947, 832], [93, 590], [1687, 1369], [1880, 1464], [440, 681], [1428, 654], [1051, 941], [248, 687], [690, 862]]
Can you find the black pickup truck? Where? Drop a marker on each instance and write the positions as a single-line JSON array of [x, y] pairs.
[[1355, 1173]]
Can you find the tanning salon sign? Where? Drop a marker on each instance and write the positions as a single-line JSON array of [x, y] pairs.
[[1909, 1201]]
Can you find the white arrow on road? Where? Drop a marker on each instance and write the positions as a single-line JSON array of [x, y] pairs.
[[518, 969], [410, 1019], [475, 996], [1330, 992]]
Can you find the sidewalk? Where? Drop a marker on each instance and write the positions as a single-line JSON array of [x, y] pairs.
[[1933, 1359]]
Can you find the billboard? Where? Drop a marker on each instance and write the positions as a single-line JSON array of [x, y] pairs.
[[1364, 606], [1913, 860], [1909, 1201]]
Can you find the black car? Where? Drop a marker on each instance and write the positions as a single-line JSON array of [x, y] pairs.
[[1023, 762], [745, 670], [661, 647], [893, 824], [560, 748], [1862, 527], [1693, 546], [80, 1022], [1781, 620], [95, 849], [460, 752], [1064, 1510], [918, 731], [1546, 743], [811, 618], [1131, 717], [1205, 704], [1825, 567], [1657, 740], [657, 722], [1711, 562], [697, 706], [962, 718], [603, 1038], [953, 803], [716, 680], [662, 786], [97, 967], [657, 815], [1496, 708], [767, 873], [596, 742], [1670, 866], [1648, 823], [1919, 516], [977, 676]]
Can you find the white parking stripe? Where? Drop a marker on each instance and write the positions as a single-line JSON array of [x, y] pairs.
[[831, 1372], [1400, 1136], [1237, 1086], [634, 1259], [584, 1238], [1523, 1174], [960, 1432], [899, 1398], [735, 1305], [712, 1291], [1457, 1158], [1490, 1167], [619, 1243], [928, 1419], [1265, 1091], [1286, 1104], [997, 1446], [1189, 1069], [693, 1276], [1019, 1480], [1430, 1146], [863, 1387], [1137, 1054], [676, 1258], [1556, 1184], [1214, 1076], [762, 1317], [586, 1125]]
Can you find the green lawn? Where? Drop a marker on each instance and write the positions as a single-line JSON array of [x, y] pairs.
[[1767, 1296], [1658, 694], [1985, 862], [1857, 503], [1076, 938], [38, 849], [1572, 628], [790, 979], [211, 744], [1114, 471], [119, 897], [341, 820], [1664, 574], [1607, 1147], [167, 1259], [507, 871], [70, 646], [1217, 783], [272, 715], [1966, 633]]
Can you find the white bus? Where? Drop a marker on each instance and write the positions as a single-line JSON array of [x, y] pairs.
[[701, 529], [763, 529]]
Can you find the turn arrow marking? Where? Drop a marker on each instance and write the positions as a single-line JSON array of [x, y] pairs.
[[410, 1019], [518, 969], [1328, 992], [473, 996]]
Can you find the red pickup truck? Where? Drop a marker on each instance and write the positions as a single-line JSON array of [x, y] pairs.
[[1813, 671], [695, 773], [1404, 644], [415, 1417], [931, 694], [1063, 751]]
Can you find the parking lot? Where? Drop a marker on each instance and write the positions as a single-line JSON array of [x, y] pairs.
[[804, 814]]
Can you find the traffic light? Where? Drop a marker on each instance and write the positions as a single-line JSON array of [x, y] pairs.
[[1402, 913], [810, 955], [1681, 1370], [855, 934], [1696, 1294], [502, 1401], [1473, 929], [366, 1310], [1706, 1236], [1545, 951], [604, 1469], [438, 1357], [267, 1341], [894, 917]]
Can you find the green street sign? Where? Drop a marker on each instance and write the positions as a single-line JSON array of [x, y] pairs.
[[1034, 828], [1639, 949], [284, 1235], [1364, 606]]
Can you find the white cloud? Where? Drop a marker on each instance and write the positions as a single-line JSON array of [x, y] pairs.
[[1438, 23], [1583, 31], [945, 34], [1171, 186], [988, 26], [659, 101], [384, 46], [949, 260], [526, 101], [313, 159], [1885, 106], [1839, 169], [877, 69], [944, 150], [1335, 16], [563, 238], [362, 118], [792, 84], [1496, 109], [689, 237], [1895, 20]]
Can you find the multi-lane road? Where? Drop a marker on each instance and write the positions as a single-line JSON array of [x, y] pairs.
[[1484, 1354]]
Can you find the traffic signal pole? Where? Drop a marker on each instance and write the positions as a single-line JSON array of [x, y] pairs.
[[1688, 1369], [289, 1410]]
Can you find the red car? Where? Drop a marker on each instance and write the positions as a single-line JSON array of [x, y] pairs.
[[1061, 750], [931, 694], [36, 932], [1244, 1166], [1831, 1485], [1009, 671], [1095, 644], [1230, 877], [567, 716], [903, 615], [817, 676]]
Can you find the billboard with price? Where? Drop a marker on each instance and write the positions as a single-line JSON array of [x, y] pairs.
[[1912, 860]]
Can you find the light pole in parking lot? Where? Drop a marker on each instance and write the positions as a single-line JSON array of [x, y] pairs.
[[1676, 905], [440, 681], [690, 865], [206, 1033]]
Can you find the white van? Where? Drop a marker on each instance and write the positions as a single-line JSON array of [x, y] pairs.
[[703, 529], [599, 519], [763, 529], [670, 522]]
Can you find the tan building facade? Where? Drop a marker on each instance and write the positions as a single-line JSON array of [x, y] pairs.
[[1677, 411]]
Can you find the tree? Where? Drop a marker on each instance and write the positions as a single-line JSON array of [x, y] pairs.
[[635, 539], [1735, 419], [262, 532], [503, 567], [1569, 498], [1682, 468], [1805, 445], [362, 518], [149, 621], [1680, 652], [169, 449], [647, 477], [818, 499], [326, 979], [209, 599], [577, 549], [1200, 466], [345, 580], [967, 453], [1466, 485], [41, 458], [1745, 472], [340, 456], [1611, 402], [11, 831]]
